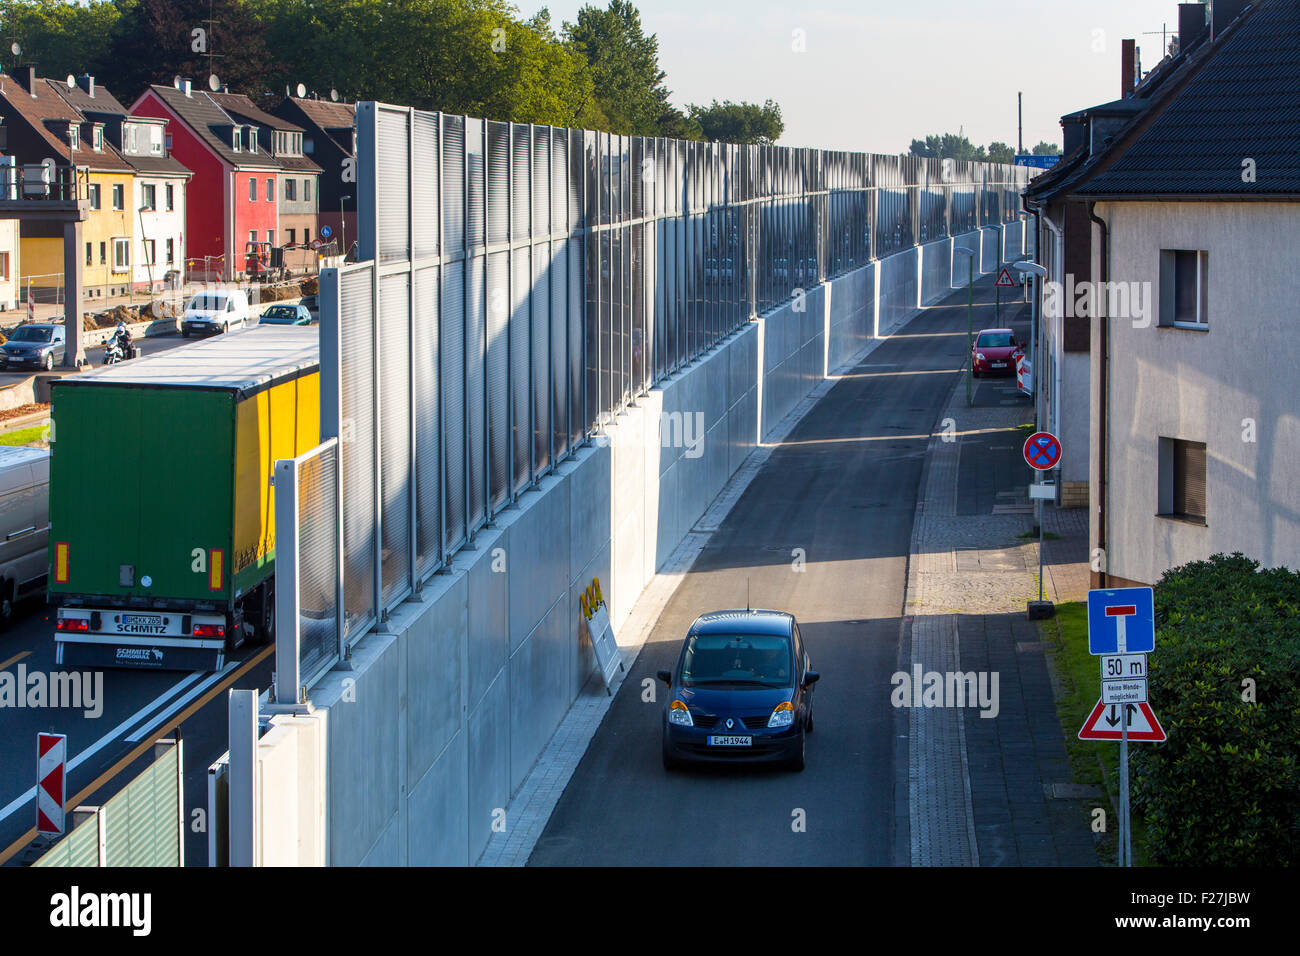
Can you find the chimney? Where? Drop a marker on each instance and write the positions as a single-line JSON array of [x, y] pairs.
[[1191, 24], [186, 86], [87, 84], [26, 77], [1223, 12], [1128, 68]]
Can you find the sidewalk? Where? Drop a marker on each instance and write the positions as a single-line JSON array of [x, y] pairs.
[[981, 790]]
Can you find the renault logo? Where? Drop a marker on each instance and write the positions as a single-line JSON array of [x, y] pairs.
[[730, 723]]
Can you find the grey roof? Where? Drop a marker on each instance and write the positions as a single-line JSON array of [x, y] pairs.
[[157, 165], [1243, 104], [237, 104], [201, 114], [102, 102], [246, 362]]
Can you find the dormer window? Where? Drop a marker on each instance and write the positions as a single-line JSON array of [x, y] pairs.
[[236, 138], [156, 140], [252, 138], [74, 136], [97, 140]]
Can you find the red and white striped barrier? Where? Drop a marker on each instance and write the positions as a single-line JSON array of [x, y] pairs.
[[51, 782]]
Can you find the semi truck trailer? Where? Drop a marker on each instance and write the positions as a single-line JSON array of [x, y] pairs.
[[162, 508]]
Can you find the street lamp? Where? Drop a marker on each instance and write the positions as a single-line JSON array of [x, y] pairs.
[[343, 224], [970, 314]]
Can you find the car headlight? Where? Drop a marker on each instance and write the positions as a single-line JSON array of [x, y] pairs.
[[980, 356], [679, 713], [782, 715]]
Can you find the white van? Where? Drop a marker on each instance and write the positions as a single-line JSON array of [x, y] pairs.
[[215, 310], [24, 525]]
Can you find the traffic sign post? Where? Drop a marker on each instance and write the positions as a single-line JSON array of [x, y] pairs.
[[51, 782], [1042, 452], [1121, 631]]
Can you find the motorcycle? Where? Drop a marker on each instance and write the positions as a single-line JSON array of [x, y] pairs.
[[117, 348]]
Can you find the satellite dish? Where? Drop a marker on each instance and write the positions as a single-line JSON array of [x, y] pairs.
[[71, 81], [176, 82], [334, 95], [15, 49], [302, 91], [214, 84]]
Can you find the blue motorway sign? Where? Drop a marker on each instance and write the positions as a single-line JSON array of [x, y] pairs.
[[1121, 621], [1038, 162]]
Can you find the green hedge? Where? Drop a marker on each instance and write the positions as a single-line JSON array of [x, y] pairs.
[[1225, 788]]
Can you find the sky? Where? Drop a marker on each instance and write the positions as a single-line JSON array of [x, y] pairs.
[[873, 75]]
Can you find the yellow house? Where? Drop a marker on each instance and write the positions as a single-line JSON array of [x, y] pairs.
[[40, 127]]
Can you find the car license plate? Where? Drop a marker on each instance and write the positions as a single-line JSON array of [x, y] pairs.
[[151, 620], [999, 364], [731, 741]]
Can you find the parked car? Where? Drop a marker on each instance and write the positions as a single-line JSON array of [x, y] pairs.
[[34, 346], [215, 311], [284, 314], [24, 525], [995, 352], [741, 691]]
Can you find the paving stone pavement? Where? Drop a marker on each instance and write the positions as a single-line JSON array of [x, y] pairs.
[[981, 787]]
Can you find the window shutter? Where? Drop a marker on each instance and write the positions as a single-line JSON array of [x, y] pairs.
[[1189, 479]]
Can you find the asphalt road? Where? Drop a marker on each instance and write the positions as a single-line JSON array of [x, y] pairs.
[[136, 707], [843, 488]]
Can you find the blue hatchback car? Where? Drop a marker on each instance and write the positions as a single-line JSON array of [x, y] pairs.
[[741, 691]]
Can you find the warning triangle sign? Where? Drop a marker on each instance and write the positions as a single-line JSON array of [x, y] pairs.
[[1004, 279], [1104, 723]]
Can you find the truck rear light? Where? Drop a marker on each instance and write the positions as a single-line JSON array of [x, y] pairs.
[[209, 630], [72, 624]]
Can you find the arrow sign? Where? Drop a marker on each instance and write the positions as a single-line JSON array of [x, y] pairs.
[[1105, 723], [1004, 279]]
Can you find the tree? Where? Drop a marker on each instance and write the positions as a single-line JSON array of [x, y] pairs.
[[624, 65], [745, 123], [1045, 148], [153, 41], [947, 146], [59, 38], [1000, 152]]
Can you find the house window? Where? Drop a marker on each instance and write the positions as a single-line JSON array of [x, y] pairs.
[[291, 189], [306, 237], [74, 136], [171, 197], [4, 266], [252, 190], [90, 253], [270, 190], [1182, 479], [1184, 275], [121, 254], [252, 235], [308, 145], [94, 195], [306, 190], [270, 236], [292, 233], [148, 196], [171, 251], [98, 140], [149, 252], [156, 140], [168, 140], [103, 253], [119, 196]]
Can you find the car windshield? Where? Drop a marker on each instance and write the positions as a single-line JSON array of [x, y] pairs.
[[760, 660], [208, 302], [31, 333], [995, 340], [280, 312]]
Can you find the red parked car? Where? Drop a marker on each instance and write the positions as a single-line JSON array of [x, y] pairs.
[[995, 352]]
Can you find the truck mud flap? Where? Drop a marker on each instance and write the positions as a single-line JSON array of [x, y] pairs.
[[71, 654]]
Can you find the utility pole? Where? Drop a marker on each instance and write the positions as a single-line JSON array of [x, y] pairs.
[[1020, 123]]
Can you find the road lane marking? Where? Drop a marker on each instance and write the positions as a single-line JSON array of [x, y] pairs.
[[21, 843], [15, 659], [177, 705], [108, 738]]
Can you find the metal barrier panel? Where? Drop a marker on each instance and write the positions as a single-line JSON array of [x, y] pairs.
[[529, 281]]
